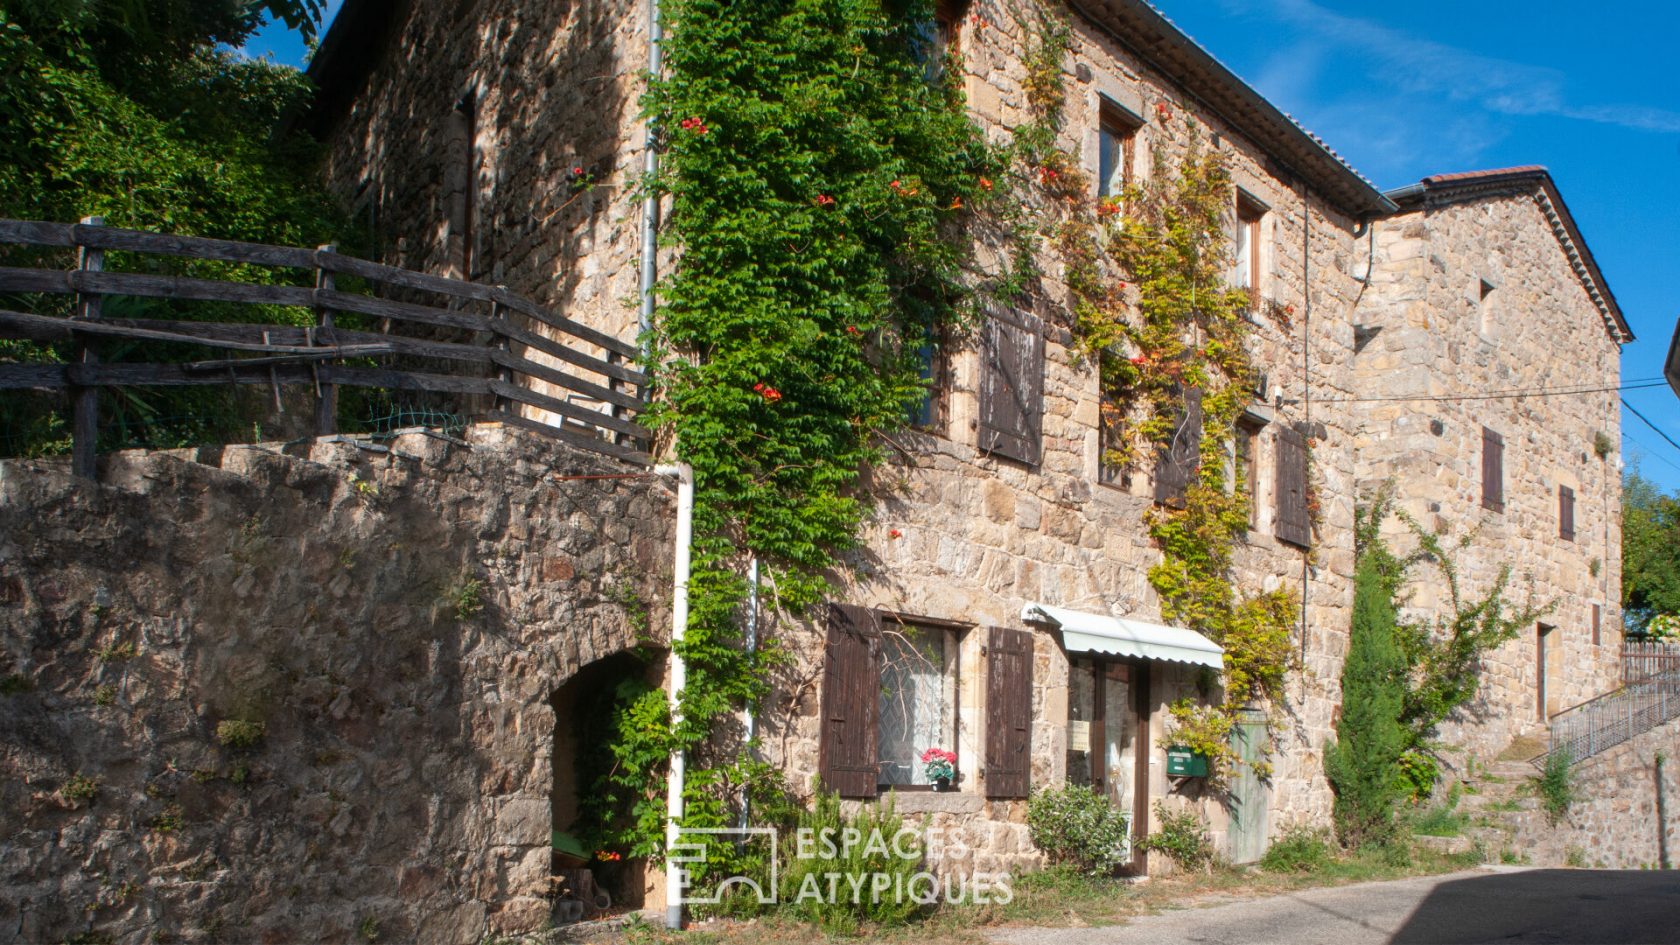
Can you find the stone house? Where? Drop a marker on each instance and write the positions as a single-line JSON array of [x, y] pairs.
[[1001, 608]]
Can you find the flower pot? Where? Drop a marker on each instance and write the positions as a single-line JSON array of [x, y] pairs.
[[942, 784]]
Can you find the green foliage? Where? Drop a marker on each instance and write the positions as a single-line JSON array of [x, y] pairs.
[[16, 684], [1363, 763], [1183, 838], [819, 183], [1206, 730], [169, 820], [466, 599], [134, 111], [79, 789], [1439, 820], [1419, 771], [806, 882], [1299, 849], [1555, 786], [1076, 826], [1650, 552], [117, 652], [240, 734]]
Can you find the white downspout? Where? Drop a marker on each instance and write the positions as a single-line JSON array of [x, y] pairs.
[[678, 679]]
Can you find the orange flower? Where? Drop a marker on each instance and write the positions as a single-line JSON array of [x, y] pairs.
[[985, 183], [895, 533]]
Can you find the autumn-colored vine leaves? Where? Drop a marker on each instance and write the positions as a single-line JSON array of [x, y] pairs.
[[1154, 311]]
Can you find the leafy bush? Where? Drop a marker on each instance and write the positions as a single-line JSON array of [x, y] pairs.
[[1076, 826], [79, 788], [1300, 849], [239, 734], [1557, 790], [1183, 838], [862, 865]]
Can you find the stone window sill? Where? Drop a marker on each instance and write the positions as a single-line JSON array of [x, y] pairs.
[[936, 802]]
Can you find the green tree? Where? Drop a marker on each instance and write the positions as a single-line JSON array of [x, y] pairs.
[[138, 112], [1650, 552], [1363, 764]]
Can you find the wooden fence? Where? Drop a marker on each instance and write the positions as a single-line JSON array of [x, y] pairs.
[[603, 389], [1644, 659]]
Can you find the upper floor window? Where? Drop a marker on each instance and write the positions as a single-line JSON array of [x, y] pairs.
[[937, 39], [1246, 445], [928, 413], [1116, 150], [1493, 471], [1250, 214]]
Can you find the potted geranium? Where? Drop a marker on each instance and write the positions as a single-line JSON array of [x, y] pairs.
[[940, 766]]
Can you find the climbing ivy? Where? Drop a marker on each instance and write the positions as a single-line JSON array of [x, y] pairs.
[[819, 175], [1154, 312]]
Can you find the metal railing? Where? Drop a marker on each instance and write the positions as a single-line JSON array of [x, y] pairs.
[[1615, 717]]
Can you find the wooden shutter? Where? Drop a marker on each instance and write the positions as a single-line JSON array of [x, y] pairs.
[[1493, 471], [1566, 513], [1293, 521], [1012, 386], [1176, 461], [851, 697], [1009, 659]]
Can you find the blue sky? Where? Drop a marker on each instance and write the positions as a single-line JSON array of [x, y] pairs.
[[1404, 90]]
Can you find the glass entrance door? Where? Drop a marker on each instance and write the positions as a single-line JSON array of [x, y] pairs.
[[1104, 731]]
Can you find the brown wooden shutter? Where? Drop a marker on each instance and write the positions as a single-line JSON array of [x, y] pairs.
[[1012, 386], [1493, 471], [1293, 521], [851, 697], [1566, 513], [1176, 461], [1009, 660]]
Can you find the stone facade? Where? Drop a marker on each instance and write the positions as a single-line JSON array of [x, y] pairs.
[[461, 143], [1453, 316], [397, 620]]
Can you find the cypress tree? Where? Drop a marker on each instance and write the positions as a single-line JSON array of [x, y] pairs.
[[1363, 764]]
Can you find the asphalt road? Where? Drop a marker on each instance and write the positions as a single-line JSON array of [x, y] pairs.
[[1493, 905]]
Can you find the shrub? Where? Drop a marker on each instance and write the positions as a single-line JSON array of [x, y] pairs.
[[1556, 789], [1076, 826], [860, 865], [79, 788], [1183, 838], [239, 734], [1363, 763], [1300, 849]]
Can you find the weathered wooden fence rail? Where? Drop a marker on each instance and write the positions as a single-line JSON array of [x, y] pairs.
[[1642, 659], [598, 392]]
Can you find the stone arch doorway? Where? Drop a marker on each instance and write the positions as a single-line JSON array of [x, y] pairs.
[[591, 875]]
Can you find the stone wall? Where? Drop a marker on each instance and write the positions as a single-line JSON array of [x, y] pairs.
[[396, 618], [1614, 822], [1431, 332], [968, 537]]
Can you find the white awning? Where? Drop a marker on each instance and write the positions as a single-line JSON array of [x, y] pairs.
[[1095, 633]]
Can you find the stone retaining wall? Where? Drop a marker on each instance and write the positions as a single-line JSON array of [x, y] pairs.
[[395, 620]]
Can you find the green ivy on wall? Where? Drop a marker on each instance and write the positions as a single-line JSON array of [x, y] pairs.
[[819, 183]]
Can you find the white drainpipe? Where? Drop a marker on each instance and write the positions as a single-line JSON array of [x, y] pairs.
[[678, 679]]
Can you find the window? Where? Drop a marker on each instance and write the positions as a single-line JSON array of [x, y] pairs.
[[889, 693], [1597, 622], [1247, 445], [938, 39], [462, 186], [1108, 731], [1293, 517], [1116, 149], [929, 412], [918, 699], [1249, 214], [1484, 305], [1012, 386], [1111, 437], [1177, 460], [1493, 471], [1566, 513]]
